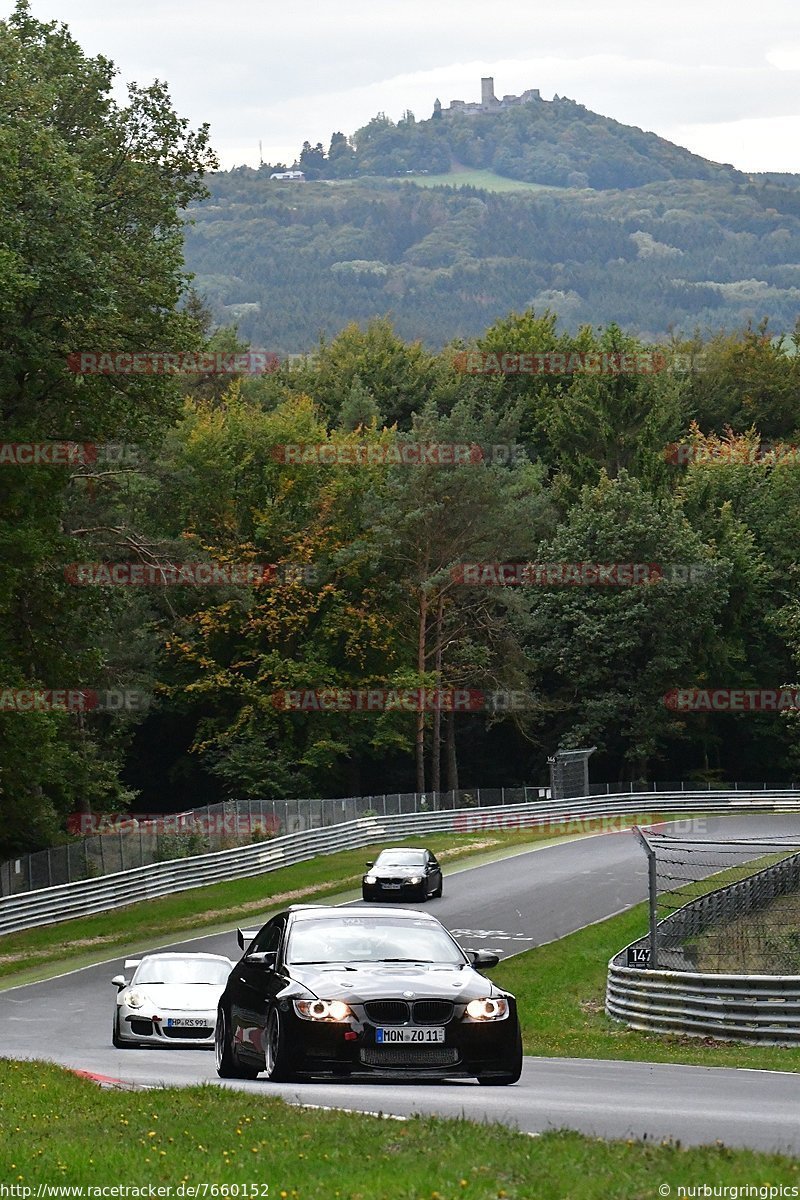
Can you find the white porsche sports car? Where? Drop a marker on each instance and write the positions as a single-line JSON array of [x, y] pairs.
[[171, 999]]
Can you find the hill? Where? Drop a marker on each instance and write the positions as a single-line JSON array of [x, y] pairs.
[[556, 142]]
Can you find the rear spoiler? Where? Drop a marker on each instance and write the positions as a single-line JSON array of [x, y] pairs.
[[245, 936]]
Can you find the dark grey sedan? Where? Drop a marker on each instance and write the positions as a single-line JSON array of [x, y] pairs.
[[402, 873]]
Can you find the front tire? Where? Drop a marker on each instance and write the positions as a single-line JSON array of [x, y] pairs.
[[277, 1062], [228, 1065], [116, 1040], [504, 1078]]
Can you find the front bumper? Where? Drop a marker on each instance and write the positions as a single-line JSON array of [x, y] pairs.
[[469, 1048], [146, 1027], [382, 891]]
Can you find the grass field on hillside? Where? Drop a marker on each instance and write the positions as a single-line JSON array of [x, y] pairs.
[[479, 178]]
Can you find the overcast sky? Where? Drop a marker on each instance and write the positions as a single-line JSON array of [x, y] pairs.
[[720, 78]]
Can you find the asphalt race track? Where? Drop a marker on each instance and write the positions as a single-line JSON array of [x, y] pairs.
[[510, 905]]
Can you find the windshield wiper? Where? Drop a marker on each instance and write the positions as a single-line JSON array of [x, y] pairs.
[[413, 960]]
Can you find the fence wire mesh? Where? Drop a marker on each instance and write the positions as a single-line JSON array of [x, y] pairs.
[[725, 907]]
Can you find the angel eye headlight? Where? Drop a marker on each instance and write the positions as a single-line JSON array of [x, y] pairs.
[[134, 999], [488, 1009], [322, 1010], [415, 879], [370, 879]]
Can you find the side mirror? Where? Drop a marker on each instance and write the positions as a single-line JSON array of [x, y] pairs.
[[263, 958], [119, 982], [484, 958], [370, 864]]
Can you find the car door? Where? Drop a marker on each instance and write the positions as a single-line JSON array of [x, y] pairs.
[[256, 983]]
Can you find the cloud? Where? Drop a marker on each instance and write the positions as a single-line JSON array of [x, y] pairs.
[[711, 73]]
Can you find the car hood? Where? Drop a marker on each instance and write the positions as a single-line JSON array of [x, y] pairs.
[[376, 982], [199, 997]]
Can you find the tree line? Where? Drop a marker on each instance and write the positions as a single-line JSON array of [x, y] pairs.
[[318, 478]]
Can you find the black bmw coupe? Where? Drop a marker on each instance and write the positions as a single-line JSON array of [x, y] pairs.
[[341, 991]]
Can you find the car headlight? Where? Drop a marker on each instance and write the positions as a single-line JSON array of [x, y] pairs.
[[134, 1000], [415, 879], [322, 1010], [488, 1009], [370, 879]]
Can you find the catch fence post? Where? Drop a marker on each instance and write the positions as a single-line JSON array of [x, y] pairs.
[[652, 897]]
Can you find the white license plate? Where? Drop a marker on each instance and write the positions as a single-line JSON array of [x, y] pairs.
[[408, 1033], [391, 887], [187, 1023]]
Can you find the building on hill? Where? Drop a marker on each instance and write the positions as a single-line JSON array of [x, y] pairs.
[[284, 176], [488, 101]]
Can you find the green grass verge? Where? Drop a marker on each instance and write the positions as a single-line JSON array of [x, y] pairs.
[[60, 1130], [561, 987], [478, 178], [37, 953]]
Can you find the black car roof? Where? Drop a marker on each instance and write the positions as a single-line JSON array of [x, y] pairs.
[[371, 910], [404, 850]]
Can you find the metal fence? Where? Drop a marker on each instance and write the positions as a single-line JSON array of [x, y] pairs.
[[590, 815], [724, 906], [128, 842]]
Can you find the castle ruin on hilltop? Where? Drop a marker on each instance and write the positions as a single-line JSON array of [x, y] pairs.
[[488, 101]]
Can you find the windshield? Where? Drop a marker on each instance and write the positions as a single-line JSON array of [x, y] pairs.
[[183, 970], [373, 940], [401, 858]]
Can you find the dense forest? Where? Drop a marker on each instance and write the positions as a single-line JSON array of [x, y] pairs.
[[307, 475], [290, 262]]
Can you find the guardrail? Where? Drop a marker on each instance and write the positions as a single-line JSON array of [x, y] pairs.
[[744, 1008], [586, 814]]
